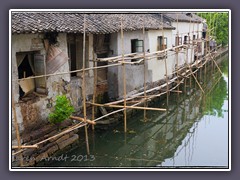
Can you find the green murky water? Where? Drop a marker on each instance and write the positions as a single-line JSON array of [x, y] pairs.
[[192, 133]]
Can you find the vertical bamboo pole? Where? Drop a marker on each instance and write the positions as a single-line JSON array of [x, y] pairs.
[[210, 34], [145, 88], [17, 131], [94, 88], [124, 78], [192, 52], [83, 85], [165, 60], [45, 72], [197, 54], [177, 60]]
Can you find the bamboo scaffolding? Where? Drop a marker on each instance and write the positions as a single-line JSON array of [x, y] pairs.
[[124, 78], [99, 67], [119, 60], [79, 125], [150, 90], [196, 79], [83, 86], [54, 136], [165, 61], [137, 55], [94, 89], [144, 72], [68, 72], [130, 107]]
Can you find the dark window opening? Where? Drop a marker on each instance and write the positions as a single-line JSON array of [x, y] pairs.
[[73, 59], [194, 38], [31, 64], [186, 40], [136, 47], [178, 41], [75, 53], [107, 39], [161, 45], [24, 70]]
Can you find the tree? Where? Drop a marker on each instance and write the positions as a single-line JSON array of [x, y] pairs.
[[218, 25]]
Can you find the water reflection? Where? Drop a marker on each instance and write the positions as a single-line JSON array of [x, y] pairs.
[[193, 132]]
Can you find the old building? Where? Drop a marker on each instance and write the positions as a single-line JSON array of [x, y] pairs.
[[47, 43]]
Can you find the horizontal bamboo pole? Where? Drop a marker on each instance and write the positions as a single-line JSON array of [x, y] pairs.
[[69, 72], [26, 146], [109, 114], [130, 107], [176, 91], [82, 120], [139, 55]]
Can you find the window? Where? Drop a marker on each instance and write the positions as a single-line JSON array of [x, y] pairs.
[[137, 45], [162, 43], [186, 40], [75, 52], [31, 64], [194, 37], [178, 41]]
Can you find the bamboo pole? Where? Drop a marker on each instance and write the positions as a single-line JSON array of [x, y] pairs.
[[139, 55], [69, 72], [109, 114], [149, 90], [83, 120], [124, 78], [130, 107], [165, 60], [196, 79], [83, 85], [177, 56], [98, 67], [26, 146], [94, 89], [216, 64], [54, 136], [17, 131], [144, 72]]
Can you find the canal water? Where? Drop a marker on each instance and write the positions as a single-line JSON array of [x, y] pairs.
[[193, 132]]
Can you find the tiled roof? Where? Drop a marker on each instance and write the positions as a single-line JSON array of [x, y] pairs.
[[36, 22], [182, 17]]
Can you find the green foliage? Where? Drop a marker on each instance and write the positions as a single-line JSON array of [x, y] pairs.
[[63, 109], [218, 23], [215, 99]]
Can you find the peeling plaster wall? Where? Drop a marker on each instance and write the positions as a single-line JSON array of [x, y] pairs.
[[34, 112]]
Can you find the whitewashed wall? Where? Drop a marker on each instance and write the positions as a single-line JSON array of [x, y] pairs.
[[134, 73], [157, 67]]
